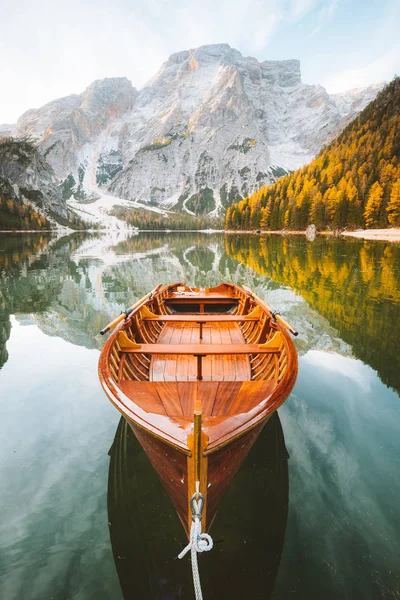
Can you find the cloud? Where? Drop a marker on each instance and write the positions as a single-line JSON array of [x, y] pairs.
[[324, 16], [382, 68], [297, 9], [262, 35]]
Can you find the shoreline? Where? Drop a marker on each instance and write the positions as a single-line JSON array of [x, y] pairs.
[[386, 235], [389, 235]]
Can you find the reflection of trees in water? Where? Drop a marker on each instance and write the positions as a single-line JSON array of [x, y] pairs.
[[355, 284], [15, 255], [5, 329], [32, 271]]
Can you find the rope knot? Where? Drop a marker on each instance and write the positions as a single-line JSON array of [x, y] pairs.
[[198, 542], [204, 542]]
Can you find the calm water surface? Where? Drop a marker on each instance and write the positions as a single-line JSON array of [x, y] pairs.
[[314, 512]]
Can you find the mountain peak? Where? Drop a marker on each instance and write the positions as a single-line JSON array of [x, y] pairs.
[[282, 72], [109, 84], [206, 54]]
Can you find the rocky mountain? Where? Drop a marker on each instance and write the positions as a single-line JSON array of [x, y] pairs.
[[210, 127], [6, 129], [30, 197]]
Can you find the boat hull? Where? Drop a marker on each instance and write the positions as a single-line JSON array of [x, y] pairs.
[[146, 535], [173, 469]]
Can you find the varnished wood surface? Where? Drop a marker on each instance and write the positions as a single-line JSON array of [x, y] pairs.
[[200, 349], [149, 366], [183, 367], [217, 299], [177, 399], [116, 367], [203, 318]]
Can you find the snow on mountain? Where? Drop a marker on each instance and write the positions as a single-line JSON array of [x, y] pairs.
[[355, 100], [211, 126], [6, 129], [25, 172], [63, 127]]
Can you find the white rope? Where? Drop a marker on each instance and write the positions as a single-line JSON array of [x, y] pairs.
[[199, 542], [191, 293]]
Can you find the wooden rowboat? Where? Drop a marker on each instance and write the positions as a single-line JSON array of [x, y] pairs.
[[197, 373]]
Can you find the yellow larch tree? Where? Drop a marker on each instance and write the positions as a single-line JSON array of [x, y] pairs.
[[373, 205], [393, 207]]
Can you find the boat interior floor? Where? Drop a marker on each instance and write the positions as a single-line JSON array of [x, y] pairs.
[[214, 368], [226, 388]]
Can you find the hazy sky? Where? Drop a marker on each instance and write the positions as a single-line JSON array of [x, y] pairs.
[[50, 49]]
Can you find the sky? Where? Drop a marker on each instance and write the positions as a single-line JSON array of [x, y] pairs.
[[50, 49]]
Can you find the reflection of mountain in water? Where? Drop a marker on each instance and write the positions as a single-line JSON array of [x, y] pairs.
[[146, 533], [76, 285], [354, 284]]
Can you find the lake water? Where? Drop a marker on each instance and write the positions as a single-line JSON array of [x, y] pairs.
[[314, 512]]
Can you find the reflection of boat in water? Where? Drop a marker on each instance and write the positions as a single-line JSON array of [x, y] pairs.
[[249, 530], [220, 354]]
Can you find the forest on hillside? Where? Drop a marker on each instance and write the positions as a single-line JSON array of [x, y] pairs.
[[353, 182], [149, 220]]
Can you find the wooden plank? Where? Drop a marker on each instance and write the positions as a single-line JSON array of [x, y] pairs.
[[187, 394], [228, 362], [204, 318], [159, 363], [199, 349], [144, 394], [236, 335], [171, 361], [192, 364], [207, 392], [202, 301], [231, 371], [250, 394], [182, 367], [216, 364], [169, 396], [227, 392], [202, 297]]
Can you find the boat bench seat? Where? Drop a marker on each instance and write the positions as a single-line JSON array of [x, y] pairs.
[[272, 346], [204, 318], [200, 349]]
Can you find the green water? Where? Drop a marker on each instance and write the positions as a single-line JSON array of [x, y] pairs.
[[82, 514]]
